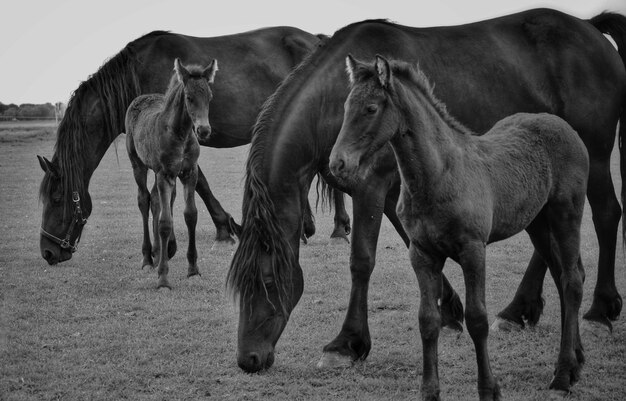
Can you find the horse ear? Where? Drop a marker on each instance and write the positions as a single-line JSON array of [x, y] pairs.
[[384, 71], [209, 72], [181, 71], [350, 68], [47, 166]]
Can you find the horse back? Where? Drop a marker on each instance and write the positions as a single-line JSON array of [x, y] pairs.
[[252, 64], [141, 123]]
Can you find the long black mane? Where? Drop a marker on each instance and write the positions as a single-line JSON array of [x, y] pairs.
[[115, 84], [261, 232]]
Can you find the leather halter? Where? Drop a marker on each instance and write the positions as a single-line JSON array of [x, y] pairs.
[[77, 218]]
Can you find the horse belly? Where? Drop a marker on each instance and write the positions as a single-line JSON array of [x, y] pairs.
[[513, 214]]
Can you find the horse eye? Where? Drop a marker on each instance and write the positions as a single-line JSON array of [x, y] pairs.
[[371, 109]]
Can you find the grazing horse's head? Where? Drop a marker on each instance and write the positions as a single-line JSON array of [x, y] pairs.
[[93, 119], [63, 193], [369, 122], [197, 94], [66, 208]]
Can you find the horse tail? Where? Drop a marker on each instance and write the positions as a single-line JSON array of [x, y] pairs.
[[325, 194], [614, 24]]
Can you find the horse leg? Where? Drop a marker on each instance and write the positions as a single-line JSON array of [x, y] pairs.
[[353, 341], [528, 302], [472, 261], [607, 302], [308, 222], [191, 218], [342, 219], [429, 277], [172, 247], [451, 306], [155, 208], [140, 172], [556, 237], [165, 186], [224, 223]]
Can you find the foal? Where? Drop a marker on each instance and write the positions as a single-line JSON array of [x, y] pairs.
[[461, 192], [162, 134]]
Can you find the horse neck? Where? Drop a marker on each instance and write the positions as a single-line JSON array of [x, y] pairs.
[[174, 113], [427, 144], [80, 148]]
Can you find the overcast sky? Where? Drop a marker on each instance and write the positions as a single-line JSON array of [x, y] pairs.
[[47, 47]]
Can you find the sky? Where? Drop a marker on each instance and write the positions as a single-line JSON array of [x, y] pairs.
[[48, 47]]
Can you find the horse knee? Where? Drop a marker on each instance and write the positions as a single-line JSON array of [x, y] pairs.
[[165, 228], [430, 323], [191, 215], [476, 321], [572, 284]]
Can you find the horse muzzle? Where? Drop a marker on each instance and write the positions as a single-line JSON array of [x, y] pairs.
[[203, 132], [343, 166], [53, 254], [254, 361]]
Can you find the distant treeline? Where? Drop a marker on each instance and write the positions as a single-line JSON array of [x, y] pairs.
[[28, 111]]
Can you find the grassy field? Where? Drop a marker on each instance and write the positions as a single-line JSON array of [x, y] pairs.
[[95, 328]]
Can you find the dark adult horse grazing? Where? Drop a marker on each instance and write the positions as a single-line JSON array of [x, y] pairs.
[[256, 62], [535, 61], [162, 133], [461, 192]]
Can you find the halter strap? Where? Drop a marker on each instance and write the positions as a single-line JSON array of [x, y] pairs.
[[77, 218]]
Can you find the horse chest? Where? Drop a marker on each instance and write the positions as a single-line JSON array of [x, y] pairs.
[[422, 223]]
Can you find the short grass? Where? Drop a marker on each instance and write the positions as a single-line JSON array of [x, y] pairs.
[[95, 327]]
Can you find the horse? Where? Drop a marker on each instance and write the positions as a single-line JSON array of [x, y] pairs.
[[461, 192], [162, 133], [257, 61], [530, 61]]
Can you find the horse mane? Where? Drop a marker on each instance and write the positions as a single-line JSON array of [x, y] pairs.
[[261, 232], [116, 84]]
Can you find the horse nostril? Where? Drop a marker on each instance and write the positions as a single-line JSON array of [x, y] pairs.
[[251, 363], [203, 131], [50, 257], [254, 359], [337, 166]]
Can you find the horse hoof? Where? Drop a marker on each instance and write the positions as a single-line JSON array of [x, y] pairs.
[[163, 283], [148, 265], [593, 329], [333, 361], [193, 272], [506, 326]]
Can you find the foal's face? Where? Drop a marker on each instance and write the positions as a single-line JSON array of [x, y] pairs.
[[367, 126], [198, 95]]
